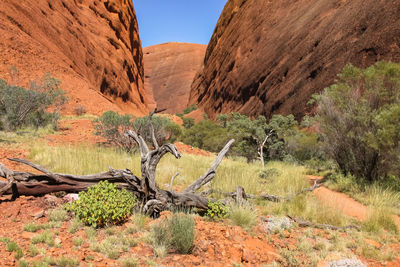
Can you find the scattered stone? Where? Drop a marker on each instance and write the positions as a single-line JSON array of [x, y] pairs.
[[69, 198], [346, 263], [27, 235], [51, 200], [38, 214], [276, 224]]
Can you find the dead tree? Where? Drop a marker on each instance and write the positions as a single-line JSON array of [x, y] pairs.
[[151, 197]]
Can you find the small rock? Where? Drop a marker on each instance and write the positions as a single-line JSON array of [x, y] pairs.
[[27, 235], [38, 214], [57, 241], [51, 200], [248, 256], [346, 263], [69, 198]]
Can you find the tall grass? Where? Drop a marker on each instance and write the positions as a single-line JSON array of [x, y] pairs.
[[288, 179]]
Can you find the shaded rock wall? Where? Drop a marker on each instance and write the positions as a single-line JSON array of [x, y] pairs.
[[92, 46], [269, 57], [169, 71]]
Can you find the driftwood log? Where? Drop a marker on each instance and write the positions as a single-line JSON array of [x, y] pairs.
[[152, 199]]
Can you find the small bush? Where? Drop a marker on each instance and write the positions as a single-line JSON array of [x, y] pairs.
[[79, 110], [103, 204], [23, 263], [176, 232], [58, 215], [269, 174], [181, 227], [33, 250], [130, 262], [45, 237], [29, 107], [77, 242], [216, 210], [243, 216], [189, 109], [32, 227], [112, 126], [380, 219], [12, 246]]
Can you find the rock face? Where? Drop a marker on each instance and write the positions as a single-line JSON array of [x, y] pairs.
[[169, 71], [269, 57], [92, 46]]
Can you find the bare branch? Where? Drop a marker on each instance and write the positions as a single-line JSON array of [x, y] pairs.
[[302, 223], [209, 175], [153, 136], [172, 181]]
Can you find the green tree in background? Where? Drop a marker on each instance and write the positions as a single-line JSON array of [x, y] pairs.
[[359, 117], [36, 106]]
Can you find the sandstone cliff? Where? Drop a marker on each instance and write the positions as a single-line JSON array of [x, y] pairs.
[[169, 71], [92, 46], [269, 57]]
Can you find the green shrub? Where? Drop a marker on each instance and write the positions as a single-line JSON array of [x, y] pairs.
[[359, 117], [216, 210], [243, 216], [103, 204], [29, 107], [181, 227], [189, 109], [12, 246], [58, 215], [177, 232], [112, 127]]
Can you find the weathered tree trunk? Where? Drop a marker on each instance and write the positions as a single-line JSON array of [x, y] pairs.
[[152, 199]]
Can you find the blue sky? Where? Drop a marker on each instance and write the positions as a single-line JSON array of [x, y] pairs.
[[191, 21]]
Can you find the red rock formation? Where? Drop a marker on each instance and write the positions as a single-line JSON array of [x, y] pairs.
[[169, 71], [269, 57], [92, 46]]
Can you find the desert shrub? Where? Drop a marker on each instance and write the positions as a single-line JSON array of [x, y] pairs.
[[379, 219], [216, 210], [112, 127], [165, 130], [269, 173], [187, 122], [103, 204], [79, 110], [177, 232], [181, 227], [359, 117], [206, 135], [189, 109], [243, 216], [21, 107]]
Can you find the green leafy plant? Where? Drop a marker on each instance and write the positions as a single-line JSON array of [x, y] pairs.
[[216, 210], [30, 107], [189, 109], [103, 204], [359, 117]]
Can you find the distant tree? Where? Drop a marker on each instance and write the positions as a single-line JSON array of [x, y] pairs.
[[206, 135], [165, 130], [113, 126], [36, 106], [359, 117]]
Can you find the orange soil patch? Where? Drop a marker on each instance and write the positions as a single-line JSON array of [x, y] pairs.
[[216, 244], [191, 150], [6, 153], [77, 131]]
